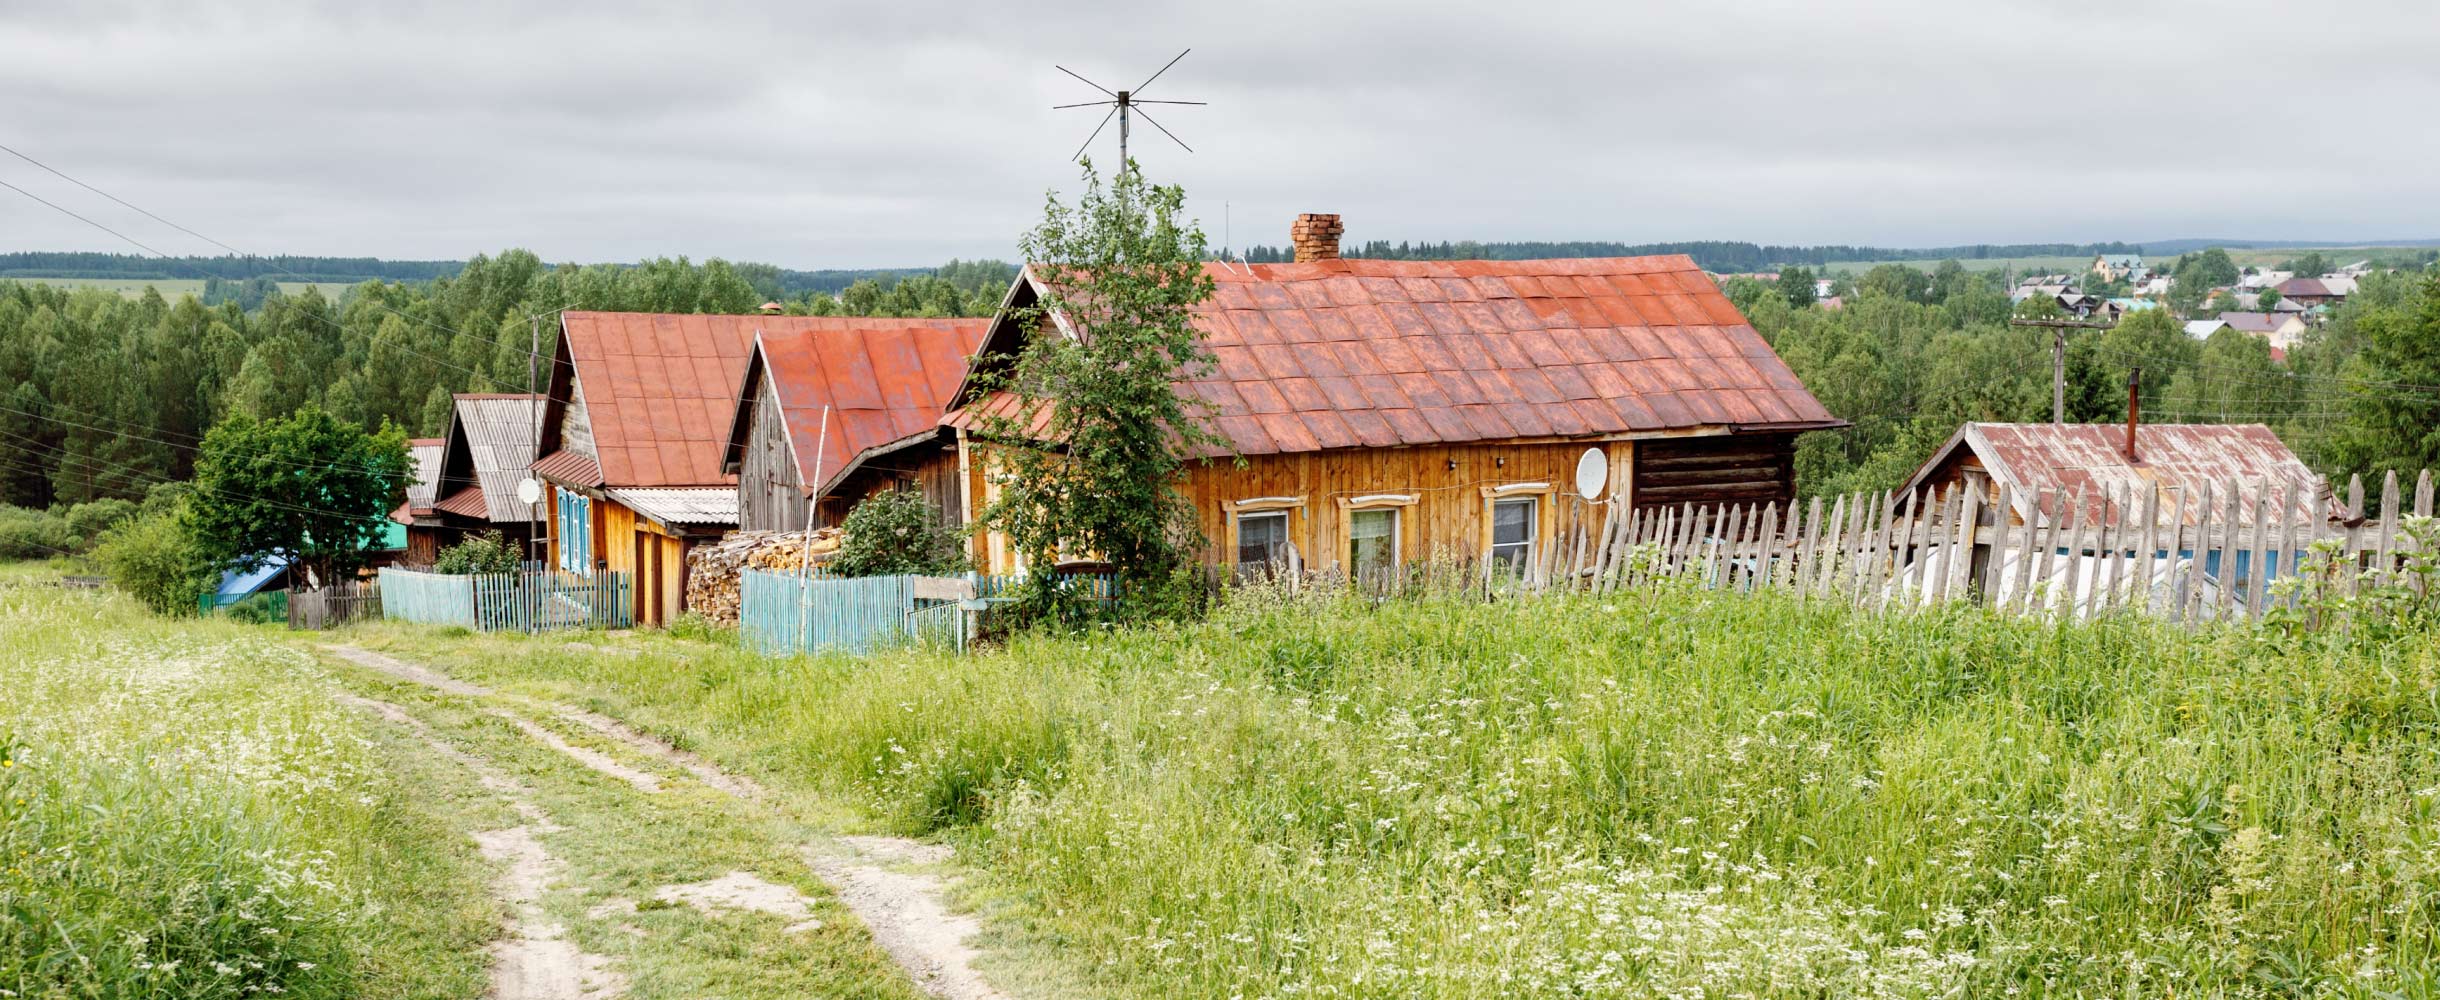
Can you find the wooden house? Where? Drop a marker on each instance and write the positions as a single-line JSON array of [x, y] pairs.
[[484, 456], [1388, 412], [426, 530], [2046, 465], [840, 408], [632, 429]]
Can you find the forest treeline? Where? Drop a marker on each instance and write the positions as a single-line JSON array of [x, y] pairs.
[[103, 395], [1710, 255], [770, 280]]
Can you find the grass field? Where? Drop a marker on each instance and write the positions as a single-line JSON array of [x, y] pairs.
[[188, 813], [172, 289], [1657, 793]]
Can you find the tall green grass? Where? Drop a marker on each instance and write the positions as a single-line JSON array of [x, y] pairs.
[[1662, 792], [186, 812]]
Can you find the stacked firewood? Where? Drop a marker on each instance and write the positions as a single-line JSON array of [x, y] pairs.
[[713, 572]]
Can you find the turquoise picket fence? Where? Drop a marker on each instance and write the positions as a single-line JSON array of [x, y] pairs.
[[780, 613], [509, 602], [426, 598]]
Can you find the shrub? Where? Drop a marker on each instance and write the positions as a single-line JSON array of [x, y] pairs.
[[484, 553], [154, 558], [91, 518], [34, 534], [894, 531], [256, 609]]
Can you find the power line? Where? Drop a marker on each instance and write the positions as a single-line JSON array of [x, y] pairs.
[[375, 302], [102, 467], [193, 449]]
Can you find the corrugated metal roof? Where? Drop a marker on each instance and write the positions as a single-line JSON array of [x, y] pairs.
[[467, 502], [496, 431], [699, 505], [426, 455], [1378, 353], [658, 389], [885, 380], [2173, 459], [569, 467]]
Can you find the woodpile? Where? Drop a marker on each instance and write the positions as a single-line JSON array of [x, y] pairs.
[[713, 572]]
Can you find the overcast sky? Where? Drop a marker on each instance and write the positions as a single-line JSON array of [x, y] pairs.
[[903, 133]]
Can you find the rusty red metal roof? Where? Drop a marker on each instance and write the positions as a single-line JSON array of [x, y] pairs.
[[884, 381], [573, 468], [2173, 459], [657, 389], [466, 502], [1380, 353]]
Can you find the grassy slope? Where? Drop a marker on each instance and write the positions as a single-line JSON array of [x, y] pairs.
[[1619, 795]]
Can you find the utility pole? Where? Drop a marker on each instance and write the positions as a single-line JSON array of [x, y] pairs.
[[534, 542], [2058, 358]]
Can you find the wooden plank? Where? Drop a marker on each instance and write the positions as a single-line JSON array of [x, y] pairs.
[[1944, 540], [2147, 539], [2289, 502], [2354, 545], [1876, 551], [1806, 558], [2232, 516], [2071, 573], [2384, 568], [2257, 575], [1826, 569], [2173, 606], [2040, 591], [2423, 494], [2190, 590], [2108, 533], [1971, 563], [1723, 571], [1851, 575]]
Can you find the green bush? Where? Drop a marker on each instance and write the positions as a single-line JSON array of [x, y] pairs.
[[154, 558], [257, 609], [895, 531], [34, 534], [91, 518], [488, 552]]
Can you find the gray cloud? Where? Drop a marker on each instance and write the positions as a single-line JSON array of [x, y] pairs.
[[813, 135]]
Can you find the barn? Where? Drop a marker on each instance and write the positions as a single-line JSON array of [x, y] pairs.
[[632, 429], [841, 408], [427, 531], [1388, 412]]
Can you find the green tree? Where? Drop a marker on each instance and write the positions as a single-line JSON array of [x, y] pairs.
[[2311, 265], [1123, 270], [2393, 411], [896, 531], [1896, 281], [307, 485], [2268, 300], [1796, 284], [488, 552]]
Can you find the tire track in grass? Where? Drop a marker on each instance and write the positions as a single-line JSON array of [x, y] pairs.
[[535, 961], [907, 912]]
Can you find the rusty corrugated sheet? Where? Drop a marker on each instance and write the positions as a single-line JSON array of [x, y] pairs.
[[658, 389], [569, 467], [2173, 459], [884, 380], [1376, 353]]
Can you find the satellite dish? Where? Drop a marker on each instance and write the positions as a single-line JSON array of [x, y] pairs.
[[529, 490], [1592, 473]]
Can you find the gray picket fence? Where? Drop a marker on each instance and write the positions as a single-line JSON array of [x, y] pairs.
[[2213, 553], [781, 612], [529, 601]]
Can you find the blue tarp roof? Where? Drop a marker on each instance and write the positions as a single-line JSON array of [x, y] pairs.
[[234, 585]]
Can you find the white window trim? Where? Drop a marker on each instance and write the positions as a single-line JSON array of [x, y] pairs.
[[1397, 532]]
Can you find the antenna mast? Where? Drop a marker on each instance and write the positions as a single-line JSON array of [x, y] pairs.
[[1124, 105]]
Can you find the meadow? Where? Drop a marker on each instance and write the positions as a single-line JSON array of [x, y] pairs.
[[1660, 792], [186, 811]]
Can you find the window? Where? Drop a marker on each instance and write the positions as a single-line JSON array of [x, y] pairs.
[[1262, 541], [1512, 533], [575, 532], [1372, 543]]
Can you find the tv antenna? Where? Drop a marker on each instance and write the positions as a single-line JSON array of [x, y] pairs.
[[1123, 104]]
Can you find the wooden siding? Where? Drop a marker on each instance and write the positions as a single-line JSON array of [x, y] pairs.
[[770, 492], [1718, 469], [1449, 517], [575, 425]]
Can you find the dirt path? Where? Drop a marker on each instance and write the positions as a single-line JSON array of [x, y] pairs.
[[535, 961], [906, 911]]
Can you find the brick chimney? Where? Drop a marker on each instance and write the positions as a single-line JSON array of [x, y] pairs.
[[1316, 237]]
